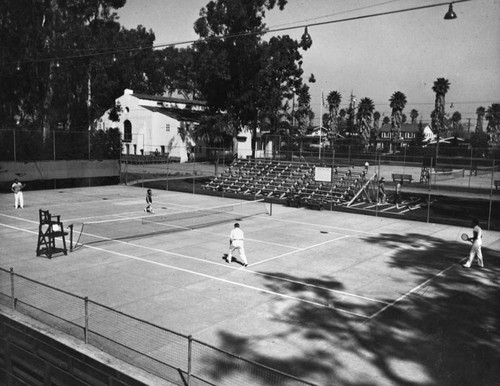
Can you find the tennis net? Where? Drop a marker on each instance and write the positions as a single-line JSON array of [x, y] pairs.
[[145, 226]]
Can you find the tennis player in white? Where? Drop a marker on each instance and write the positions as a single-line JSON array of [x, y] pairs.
[[236, 241], [477, 242], [17, 189]]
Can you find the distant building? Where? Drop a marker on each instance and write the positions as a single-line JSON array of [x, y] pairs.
[[409, 132], [160, 125], [155, 125]]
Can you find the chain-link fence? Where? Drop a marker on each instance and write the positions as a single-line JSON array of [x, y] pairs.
[[23, 145], [175, 357], [444, 189]]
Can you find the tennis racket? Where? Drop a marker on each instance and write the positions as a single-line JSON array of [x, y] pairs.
[[465, 237]]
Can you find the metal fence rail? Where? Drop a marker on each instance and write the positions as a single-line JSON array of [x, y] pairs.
[[165, 353]]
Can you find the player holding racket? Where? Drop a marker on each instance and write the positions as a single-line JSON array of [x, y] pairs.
[[477, 242]]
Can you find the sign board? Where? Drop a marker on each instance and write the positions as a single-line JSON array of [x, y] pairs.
[[323, 174]]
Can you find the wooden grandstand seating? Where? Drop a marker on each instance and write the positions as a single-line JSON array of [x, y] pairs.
[[289, 180]]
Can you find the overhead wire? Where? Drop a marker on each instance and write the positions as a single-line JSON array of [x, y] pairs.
[[234, 36]]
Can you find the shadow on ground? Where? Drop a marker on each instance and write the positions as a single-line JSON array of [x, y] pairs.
[[445, 333]]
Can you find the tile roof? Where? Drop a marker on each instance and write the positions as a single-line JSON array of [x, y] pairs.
[[169, 99], [178, 114]]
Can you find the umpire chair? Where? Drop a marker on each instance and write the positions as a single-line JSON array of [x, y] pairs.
[[49, 229]]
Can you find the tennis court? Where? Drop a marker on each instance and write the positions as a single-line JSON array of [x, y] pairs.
[[329, 297]]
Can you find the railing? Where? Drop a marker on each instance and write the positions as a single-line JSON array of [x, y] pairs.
[[175, 357]]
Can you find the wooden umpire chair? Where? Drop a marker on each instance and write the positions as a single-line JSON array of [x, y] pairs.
[[49, 229]]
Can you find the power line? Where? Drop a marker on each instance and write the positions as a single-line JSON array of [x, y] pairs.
[[234, 36]]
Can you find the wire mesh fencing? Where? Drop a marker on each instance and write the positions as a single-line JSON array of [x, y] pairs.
[[167, 354]]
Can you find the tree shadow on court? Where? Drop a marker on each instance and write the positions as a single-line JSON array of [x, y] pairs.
[[445, 330]]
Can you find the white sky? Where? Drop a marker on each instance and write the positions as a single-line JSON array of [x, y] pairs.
[[373, 57]]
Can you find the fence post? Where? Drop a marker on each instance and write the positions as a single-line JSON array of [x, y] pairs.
[[194, 172], [54, 143], [86, 330], [190, 358], [491, 192], [470, 165], [429, 197], [12, 298], [404, 159], [168, 162], [15, 146]]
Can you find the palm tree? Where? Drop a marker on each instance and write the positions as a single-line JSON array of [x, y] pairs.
[[397, 104], [440, 87], [365, 119], [493, 118], [333, 99], [480, 112], [413, 116]]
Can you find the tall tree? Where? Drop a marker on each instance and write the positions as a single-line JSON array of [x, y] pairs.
[[233, 64], [303, 114], [493, 118], [333, 101], [397, 104], [438, 123], [376, 128], [480, 112], [365, 119], [351, 116], [456, 125], [413, 116], [65, 49]]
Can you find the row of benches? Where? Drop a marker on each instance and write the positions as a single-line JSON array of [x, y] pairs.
[[288, 180]]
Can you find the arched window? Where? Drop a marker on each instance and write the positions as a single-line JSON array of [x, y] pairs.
[[127, 131]]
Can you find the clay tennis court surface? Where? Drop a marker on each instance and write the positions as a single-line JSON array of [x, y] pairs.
[[329, 297]]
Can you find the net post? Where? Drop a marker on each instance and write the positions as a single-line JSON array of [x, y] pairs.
[[70, 237], [270, 208]]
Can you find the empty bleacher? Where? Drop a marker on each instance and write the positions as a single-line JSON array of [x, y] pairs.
[[292, 182]]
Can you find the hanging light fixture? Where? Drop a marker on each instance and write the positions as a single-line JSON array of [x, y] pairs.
[[450, 15], [18, 66], [114, 58], [306, 40]]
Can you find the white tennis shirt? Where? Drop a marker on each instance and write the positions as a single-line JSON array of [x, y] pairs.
[[479, 231], [237, 234]]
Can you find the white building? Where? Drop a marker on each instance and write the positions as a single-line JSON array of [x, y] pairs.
[[162, 125]]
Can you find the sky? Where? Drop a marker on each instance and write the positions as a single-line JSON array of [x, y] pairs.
[[370, 57]]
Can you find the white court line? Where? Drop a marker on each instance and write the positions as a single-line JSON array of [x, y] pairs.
[[319, 287], [300, 250], [218, 278], [404, 296], [250, 265], [210, 276], [316, 225], [231, 282]]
